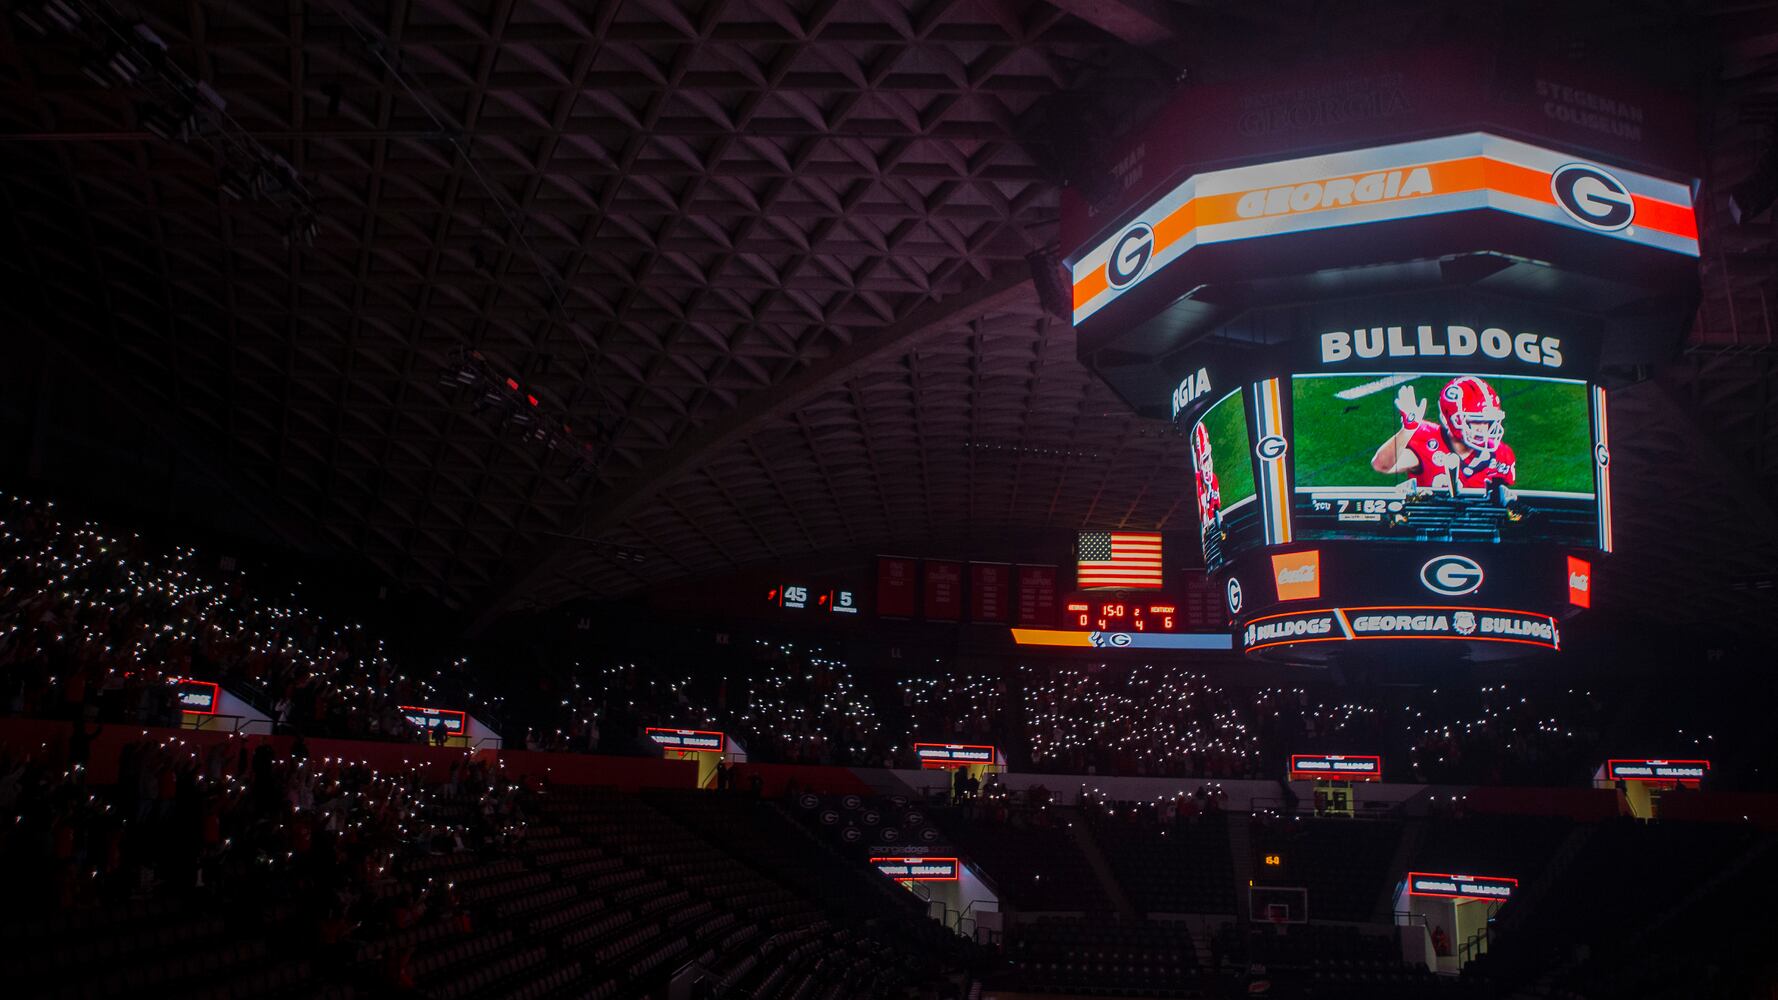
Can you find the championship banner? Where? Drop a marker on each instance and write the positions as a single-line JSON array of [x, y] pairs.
[[944, 591], [952, 754], [895, 587], [988, 586], [697, 740], [1656, 770], [1306, 767], [198, 697], [450, 720], [918, 869], [1487, 887], [1398, 623], [1037, 596]]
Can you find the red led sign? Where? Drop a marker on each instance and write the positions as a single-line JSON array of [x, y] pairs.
[[1687, 771], [1489, 887], [1325, 767], [918, 869], [198, 697], [698, 740], [952, 754]]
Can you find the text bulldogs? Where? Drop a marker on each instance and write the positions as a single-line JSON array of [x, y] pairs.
[[1428, 341]]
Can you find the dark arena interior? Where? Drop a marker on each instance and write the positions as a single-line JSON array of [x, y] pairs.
[[918, 499]]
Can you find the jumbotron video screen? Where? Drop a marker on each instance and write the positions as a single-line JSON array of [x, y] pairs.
[[1228, 511], [1443, 457]]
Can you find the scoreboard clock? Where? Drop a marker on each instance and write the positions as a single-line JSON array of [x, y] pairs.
[[1122, 613]]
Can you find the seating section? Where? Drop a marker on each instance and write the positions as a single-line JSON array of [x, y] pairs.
[[1342, 962], [1343, 863], [1182, 867], [1104, 958], [156, 948], [1599, 919], [1513, 846], [1034, 863]]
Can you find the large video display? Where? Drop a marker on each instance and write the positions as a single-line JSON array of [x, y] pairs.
[[1443, 457], [1222, 475]]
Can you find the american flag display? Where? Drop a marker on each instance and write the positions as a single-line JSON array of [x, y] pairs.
[[1124, 560]]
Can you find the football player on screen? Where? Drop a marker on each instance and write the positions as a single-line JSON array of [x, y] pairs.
[[1209, 490], [1464, 451]]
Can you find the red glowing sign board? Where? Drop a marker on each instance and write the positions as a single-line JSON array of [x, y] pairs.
[[1580, 582], [1685, 771], [1334, 767], [449, 719], [1487, 887], [698, 740], [952, 754], [198, 697], [918, 869]]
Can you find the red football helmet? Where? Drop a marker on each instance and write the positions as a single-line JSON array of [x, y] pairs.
[[1201, 446], [1470, 409]]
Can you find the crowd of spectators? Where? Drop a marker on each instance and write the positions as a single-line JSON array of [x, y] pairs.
[[97, 623], [94, 623], [231, 816]]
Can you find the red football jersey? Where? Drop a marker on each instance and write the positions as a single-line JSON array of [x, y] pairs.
[[1476, 472], [1209, 498]]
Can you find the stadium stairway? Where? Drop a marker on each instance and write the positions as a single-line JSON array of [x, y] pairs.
[[1095, 858], [1413, 835], [1241, 854]]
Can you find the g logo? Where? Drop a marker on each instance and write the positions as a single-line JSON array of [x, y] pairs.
[[1271, 447], [1592, 197], [1130, 256], [1120, 638], [1451, 575], [1602, 456], [1234, 593]]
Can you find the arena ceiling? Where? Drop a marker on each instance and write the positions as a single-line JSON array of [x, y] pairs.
[[761, 263]]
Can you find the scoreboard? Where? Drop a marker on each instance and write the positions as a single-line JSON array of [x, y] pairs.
[[802, 596], [1389, 343], [1098, 613]]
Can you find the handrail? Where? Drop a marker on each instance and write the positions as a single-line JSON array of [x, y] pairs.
[[1475, 946], [1412, 918], [197, 723]]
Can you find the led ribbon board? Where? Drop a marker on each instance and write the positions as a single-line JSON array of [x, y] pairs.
[[1409, 180], [1656, 770], [1120, 640], [1325, 767], [450, 719], [918, 869], [197, 697], [952, 754], [687, 739], [1416, 622], [1487, 887]]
